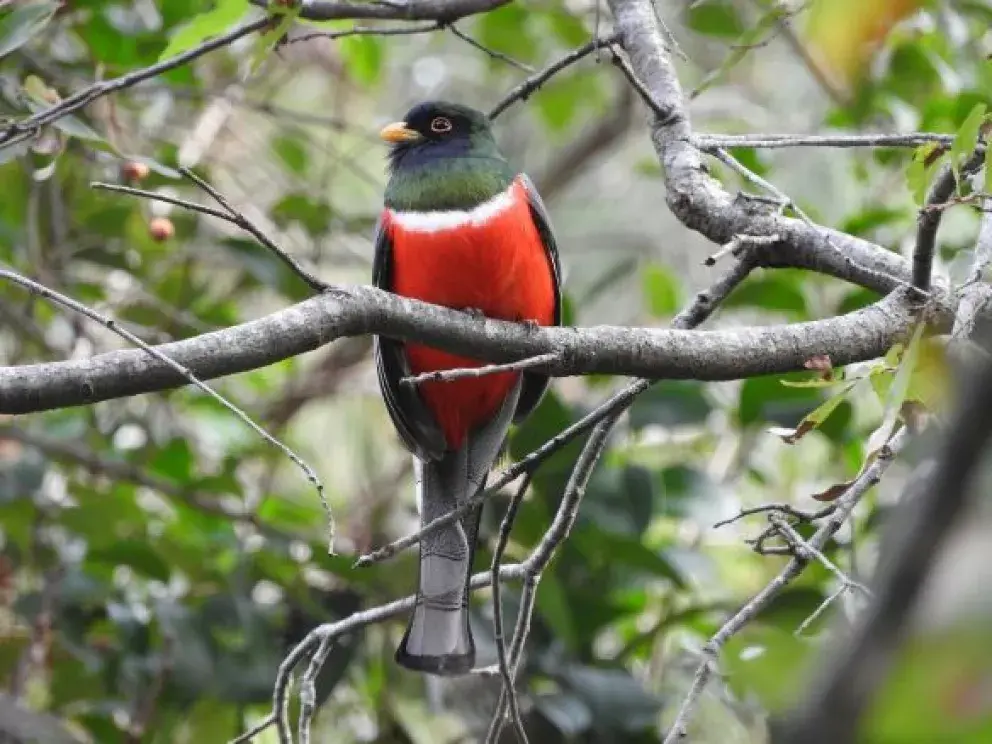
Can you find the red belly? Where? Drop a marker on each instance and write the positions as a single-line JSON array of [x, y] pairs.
[[501, 268]]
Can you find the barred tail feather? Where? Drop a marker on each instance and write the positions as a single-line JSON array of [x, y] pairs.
[[438, 638]]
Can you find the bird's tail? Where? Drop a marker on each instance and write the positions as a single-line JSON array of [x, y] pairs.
[[438, 639]]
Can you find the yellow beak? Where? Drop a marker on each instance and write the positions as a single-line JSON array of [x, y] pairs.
[[399, 132]]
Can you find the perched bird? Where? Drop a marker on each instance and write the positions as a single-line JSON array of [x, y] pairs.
[[460, 228]]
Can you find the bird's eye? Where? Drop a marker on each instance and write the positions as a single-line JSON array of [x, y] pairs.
[[441, 124]]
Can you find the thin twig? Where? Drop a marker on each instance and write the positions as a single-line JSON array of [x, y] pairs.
[[504, 670], [929, 220], [491, 52], [802, 549], [799, 514], [112, 325], [24, 129], [308, 689], [461, 373], [318, 285], [820, 609], [350, 624], [365, 31], [522, 91], [158, 196], [845, 505], [557, 533], [628, 72], [708, 142], [255, 730], [737, 244], [785, 201]]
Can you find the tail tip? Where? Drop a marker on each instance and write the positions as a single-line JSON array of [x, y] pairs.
[[447, 665]]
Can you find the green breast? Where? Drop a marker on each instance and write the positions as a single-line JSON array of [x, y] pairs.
[[448, 183]]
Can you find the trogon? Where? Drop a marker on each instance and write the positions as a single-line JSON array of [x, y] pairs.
[[460, 228]]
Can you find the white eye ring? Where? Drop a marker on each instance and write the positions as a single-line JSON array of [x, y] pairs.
[[441, 124]]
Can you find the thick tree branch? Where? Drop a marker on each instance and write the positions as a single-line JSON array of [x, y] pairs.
[[702, 204], [352, 311]]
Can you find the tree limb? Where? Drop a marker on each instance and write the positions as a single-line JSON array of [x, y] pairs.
[[352, 311]]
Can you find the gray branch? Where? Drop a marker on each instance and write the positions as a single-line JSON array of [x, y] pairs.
[[413, 10], [702, 204], [352, 311]]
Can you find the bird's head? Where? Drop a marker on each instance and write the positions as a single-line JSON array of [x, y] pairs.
[[436, 131]]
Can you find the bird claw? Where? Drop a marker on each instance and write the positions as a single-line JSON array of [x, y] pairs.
[[530, 324], [474, 313]]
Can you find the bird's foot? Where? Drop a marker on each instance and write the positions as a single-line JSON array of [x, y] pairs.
[[474, 313], [529, 323]]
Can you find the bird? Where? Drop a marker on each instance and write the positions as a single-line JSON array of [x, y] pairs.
[[461, 228]]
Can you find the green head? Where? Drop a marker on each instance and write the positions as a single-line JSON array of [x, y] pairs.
[[443, 156]]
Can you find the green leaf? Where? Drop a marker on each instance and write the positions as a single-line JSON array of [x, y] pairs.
[[293, 152], [616, 699], [719, 19], [266, 268], [919, 170], [627, 551], [23, 23], [134, 553], [224, 15], [70, 124], [662, 290], [174, 461], [814, 418], [766, 399], [363, 57], [270, 38], [781, 292], [553, 606], [767, 662], [560, 100], [745, 42], [507, 29], [569, 29], [314, 216], [966, 138], [897, 391], [929, 381], [670, 403]]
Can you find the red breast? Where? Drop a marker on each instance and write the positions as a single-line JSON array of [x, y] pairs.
[[490, 258]]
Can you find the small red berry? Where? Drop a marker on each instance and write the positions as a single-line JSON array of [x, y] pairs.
[[161, 229]]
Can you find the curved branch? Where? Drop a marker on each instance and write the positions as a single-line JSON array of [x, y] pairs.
[[702, 204], [353, 311]]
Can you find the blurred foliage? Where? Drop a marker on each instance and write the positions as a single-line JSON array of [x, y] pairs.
[[157, 560]]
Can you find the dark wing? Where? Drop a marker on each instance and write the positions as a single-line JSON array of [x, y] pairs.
[[413, 420], [535, 385]]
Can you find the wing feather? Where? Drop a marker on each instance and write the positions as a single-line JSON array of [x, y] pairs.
[[536, 385], [414, 422]]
